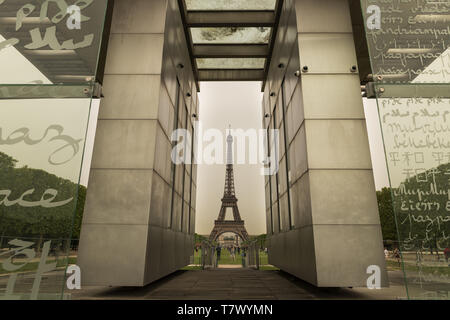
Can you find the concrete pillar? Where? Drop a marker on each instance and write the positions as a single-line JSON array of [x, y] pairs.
[[335, 233], [126, 236]]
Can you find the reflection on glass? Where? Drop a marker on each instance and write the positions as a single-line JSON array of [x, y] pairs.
[[230, 4], [40, 162], [231, 63], [230, 35], [409, 50], [48, 62], [417, 143]]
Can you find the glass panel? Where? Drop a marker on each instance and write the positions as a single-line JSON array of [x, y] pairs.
[[48, 65], [409, 43], [41, 153], [42, 44], [409, 51], [417, 146], [231, 63], [230, 35], [231, 4]]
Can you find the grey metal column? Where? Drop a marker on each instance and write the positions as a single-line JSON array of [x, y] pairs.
[[345, 219], [335, 233], [126, 236]]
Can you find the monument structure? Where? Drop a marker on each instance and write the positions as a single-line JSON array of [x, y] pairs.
[[229, 200], [143, 62]]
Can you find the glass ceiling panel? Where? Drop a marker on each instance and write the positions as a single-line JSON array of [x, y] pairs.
[[230, 35], [218, 5], [231, 63]]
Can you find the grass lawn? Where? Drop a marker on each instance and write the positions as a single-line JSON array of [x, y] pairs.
[[187, 268], [225, 258], [440, 271], [268, 267]]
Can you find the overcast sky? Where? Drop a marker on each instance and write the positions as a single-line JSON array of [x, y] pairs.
[[237, 104]]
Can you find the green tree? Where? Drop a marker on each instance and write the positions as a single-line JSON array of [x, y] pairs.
[[387, 218], [38, 222], [7, 162], [79, 212], [199, 238], [262, 240]]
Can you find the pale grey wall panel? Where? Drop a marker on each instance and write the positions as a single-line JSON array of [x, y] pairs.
[[166, 111], [337, 144], [345, 90], [125, 144], [134, 54], [113, 254], [343, 197], [298, 156], [323, 16], [327, 53], [295, 111], [139, 16], [343, 253], [301, 202], [168, 251], [159, 202], [136, 121], [163, 160], [291, 77], [325, 203], [118, 196], [130, 97], [153, 266]]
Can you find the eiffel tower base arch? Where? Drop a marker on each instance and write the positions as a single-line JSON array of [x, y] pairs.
[[232, 226]]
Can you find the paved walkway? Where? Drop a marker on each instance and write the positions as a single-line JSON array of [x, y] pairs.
[[229, 266], [238, 284]]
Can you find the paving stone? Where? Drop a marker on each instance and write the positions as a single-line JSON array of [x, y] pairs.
[[231, 284]]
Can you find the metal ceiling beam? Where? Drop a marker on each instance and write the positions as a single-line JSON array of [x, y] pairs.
[[255, 18], [230, 18], [278, 10], [231, 74], [188, 38], [231, 50]]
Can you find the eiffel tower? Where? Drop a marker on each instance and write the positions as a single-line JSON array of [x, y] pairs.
[[229, 200]]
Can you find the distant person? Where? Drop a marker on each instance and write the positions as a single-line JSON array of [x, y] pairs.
[[239, 250], [419, 257], [218, 252], [243, 254], [233, 253], [397, 255], [447, 254]]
